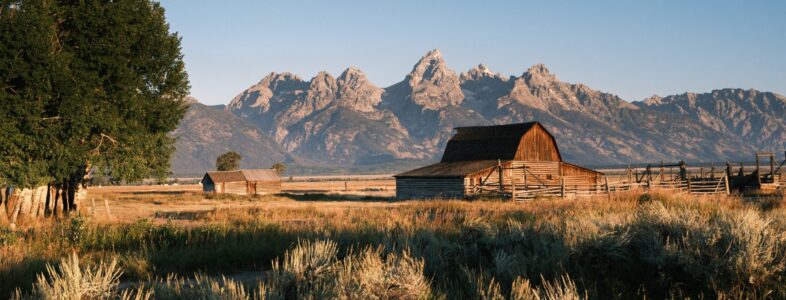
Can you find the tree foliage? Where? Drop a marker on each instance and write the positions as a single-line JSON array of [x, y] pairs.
[[279, 167], [228, 161], [87, 84]]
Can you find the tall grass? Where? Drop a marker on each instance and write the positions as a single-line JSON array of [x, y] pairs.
[[632, 246]]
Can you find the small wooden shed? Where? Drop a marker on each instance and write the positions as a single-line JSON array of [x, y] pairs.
[[243, 182], [499, 157]]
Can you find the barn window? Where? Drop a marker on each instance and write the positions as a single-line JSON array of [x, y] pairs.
[[548, 177]]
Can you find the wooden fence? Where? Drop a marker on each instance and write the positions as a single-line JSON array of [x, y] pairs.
[[693, 186], [567, 188]]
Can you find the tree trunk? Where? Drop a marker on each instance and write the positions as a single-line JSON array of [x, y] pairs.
[[71, 196], [3, 210], [42, 201], [22, 205], [37, 201], [9, 201], [58, 190], [48, 202], [66, 201]]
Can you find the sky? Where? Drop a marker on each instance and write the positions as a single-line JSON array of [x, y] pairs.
[[634, 49]]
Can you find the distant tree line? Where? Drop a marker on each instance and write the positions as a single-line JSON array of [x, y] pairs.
[[86, 85]]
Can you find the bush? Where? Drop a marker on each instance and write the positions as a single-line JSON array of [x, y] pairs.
[[7, 237], [75, 231], [70, 281]]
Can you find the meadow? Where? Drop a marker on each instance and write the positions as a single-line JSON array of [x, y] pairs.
[[172, 245]]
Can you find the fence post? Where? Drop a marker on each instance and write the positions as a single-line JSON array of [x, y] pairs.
[[562, 186], [689, 187], [630, 177], [758, 172], [512, 189], [499, 167], [608, 190], [726, 181]]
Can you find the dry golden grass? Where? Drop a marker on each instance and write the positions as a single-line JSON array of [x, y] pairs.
[[675, 245]]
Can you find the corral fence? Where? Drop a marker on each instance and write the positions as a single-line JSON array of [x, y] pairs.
[[523, 183], [693, 186]]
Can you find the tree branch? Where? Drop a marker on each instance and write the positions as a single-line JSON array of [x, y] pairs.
[[97, 149]]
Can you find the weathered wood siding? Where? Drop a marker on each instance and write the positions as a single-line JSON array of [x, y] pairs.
[[537, 145], [535, 172], [429, 188], [264, 187], [578, 175], [237, 187]]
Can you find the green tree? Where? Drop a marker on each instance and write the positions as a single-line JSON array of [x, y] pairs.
[[87, 85], [228, 161], [279, 167], [27, 66]]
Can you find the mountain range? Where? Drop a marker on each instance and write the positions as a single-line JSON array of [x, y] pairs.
[[348, 121]]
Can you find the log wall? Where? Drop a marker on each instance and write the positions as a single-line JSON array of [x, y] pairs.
[[264, 187], [429, 188]]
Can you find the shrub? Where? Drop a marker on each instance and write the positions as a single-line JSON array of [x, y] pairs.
[[75, 231], [70, 281], [7, 237], [199, 287], [311, 270]]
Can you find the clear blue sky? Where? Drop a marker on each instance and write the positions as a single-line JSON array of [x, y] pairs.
[[634, 49]]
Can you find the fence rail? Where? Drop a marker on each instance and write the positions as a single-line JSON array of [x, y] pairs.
[[522, 192]]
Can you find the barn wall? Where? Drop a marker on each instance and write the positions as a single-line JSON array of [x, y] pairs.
[[578, 175], [429, 188], [236, 187], [537, 145], [265, 187], [536, 172]]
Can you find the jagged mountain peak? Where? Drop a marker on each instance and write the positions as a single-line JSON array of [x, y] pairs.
[[275, 77], [348, 119], [356, 92], [653, 100], [430, 67], [323, 82], [434, 53], [432, 84], [539, 74], [322, 75], [479, 72], [352, 73]]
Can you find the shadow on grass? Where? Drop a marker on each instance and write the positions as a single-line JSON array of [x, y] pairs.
[[137, 193], [184, 215], [335, 197]]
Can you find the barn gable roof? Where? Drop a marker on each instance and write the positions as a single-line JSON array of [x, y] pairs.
[[242, 175], [486, 142], [450, 169]]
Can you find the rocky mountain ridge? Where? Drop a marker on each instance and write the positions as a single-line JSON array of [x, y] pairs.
[[347, 120]]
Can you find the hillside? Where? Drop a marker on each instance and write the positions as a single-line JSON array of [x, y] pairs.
[[206, 132]]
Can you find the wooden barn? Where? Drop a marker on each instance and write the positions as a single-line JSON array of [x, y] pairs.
[[243, 182], [495, 159]]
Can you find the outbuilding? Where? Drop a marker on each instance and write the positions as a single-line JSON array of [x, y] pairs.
[[243, 182], [497, 158]]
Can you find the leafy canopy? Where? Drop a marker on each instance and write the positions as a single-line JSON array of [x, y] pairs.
[[87, 84], [228, 161]]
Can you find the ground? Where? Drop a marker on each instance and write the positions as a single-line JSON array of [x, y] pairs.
[[624, 246], [130, 203]]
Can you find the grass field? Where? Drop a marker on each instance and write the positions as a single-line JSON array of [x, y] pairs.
[[174, 242]]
